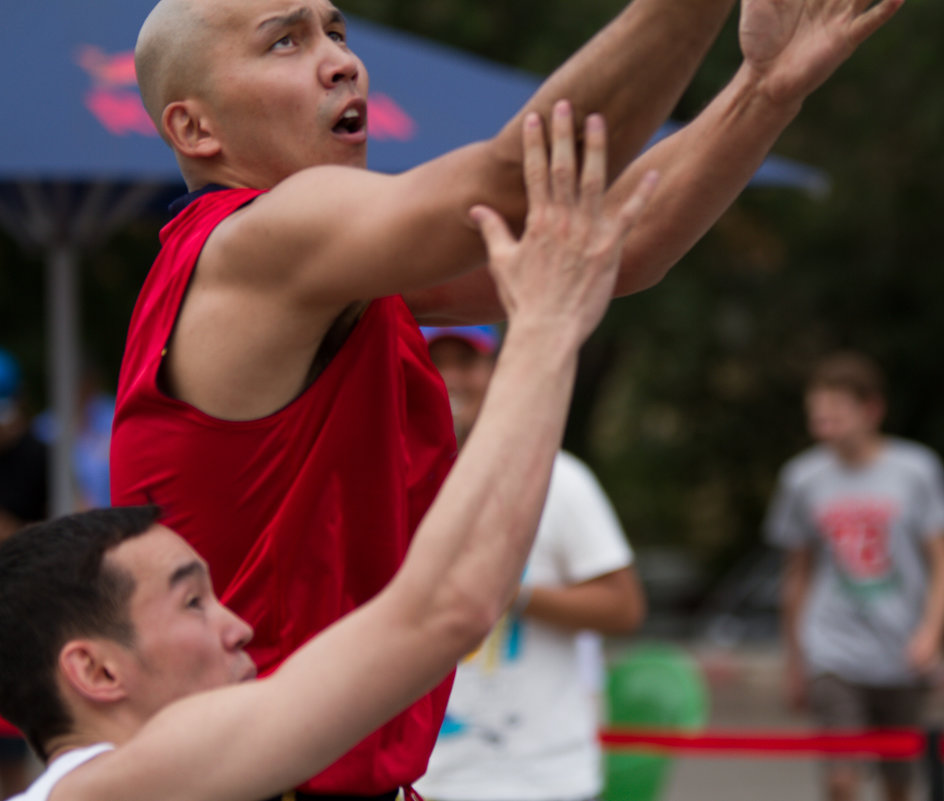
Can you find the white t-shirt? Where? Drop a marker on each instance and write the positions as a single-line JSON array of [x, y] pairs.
[[60, 767], [521, 723]]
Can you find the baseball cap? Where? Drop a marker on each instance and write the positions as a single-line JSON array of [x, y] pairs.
[[484, 338], [9, 385]]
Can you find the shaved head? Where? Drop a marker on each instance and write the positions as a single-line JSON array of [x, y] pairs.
[[171, 54]]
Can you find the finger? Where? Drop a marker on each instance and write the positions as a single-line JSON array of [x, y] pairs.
[[563, 160], [633, 208], [535, 160], [870, 21], [593, 177], [493, 228]]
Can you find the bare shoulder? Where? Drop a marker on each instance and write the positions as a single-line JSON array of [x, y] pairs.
[[301, 222]]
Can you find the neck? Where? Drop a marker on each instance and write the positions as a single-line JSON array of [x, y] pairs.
[[116, 730], [860, 451]]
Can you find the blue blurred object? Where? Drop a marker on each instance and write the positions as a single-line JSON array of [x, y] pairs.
[[10, 376], [10, 379], [484, 338]]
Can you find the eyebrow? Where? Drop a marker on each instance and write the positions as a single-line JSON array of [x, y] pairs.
[[182, 573], [286, 20], [303, 14]]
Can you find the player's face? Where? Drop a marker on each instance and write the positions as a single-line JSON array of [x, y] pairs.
[[185, 639], [287, 92], [466, 373], [837, 417]]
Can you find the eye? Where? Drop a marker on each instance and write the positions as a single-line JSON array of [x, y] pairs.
[[286, 41], [337, 36], [195, 602]]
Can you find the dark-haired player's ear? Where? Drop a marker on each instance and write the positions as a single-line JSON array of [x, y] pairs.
[[89, 669], [188, 131]]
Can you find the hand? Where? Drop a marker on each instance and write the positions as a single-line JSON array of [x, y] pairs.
[[562, 270], [923, 650], [795, 45]]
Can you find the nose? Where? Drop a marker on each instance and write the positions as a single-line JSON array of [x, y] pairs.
[[339, 65], [236, 632]]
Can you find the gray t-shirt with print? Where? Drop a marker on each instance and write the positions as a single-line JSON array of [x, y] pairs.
[[868, 526]]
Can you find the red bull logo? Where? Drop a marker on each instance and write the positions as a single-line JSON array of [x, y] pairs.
[[115, 102], [114, 99]]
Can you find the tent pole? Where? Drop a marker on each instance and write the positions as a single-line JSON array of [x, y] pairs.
[[62, 359]]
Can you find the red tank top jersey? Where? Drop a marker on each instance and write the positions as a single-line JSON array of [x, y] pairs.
[[304, 514]]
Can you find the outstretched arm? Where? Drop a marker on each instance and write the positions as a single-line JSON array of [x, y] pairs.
[[790, 48], [251, 741], [344, 234]]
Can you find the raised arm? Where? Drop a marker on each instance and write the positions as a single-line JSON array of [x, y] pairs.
[[790, 48], [251, 741], [347, 234]]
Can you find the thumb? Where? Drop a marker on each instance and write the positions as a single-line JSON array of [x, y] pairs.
[[492, 226]]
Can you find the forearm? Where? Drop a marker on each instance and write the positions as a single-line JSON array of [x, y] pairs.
[[612, 604], [483, 563], [704, 166], [793, 598], [633, 72]]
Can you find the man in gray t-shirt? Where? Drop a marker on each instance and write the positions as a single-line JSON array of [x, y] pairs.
[[861, 517]]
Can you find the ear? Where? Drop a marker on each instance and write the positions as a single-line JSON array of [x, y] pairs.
[[189, 130], [91, 668]]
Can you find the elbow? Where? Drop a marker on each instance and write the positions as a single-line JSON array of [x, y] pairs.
[[636, 614], [628, 618], [466, 620]]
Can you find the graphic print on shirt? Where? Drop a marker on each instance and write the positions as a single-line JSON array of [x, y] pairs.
[[857, 532]]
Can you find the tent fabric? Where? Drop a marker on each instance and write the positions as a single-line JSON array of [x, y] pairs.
[[75, 113]]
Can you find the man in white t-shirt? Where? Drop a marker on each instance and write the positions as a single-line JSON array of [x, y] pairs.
[[522, 721], [130, 678]]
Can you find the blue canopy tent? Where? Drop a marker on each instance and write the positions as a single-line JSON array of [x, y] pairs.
[[79, 156]]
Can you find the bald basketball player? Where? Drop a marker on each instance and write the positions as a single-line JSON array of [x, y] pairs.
[[276, 397]]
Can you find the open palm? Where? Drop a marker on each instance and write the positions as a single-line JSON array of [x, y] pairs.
[[795, 45]]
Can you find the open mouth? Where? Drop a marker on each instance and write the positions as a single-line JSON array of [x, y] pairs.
[[352, 121]]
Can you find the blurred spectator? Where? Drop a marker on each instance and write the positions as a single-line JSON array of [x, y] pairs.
[[522, 721], [23, 491], [90, 450], [861, 517], [23, 458]]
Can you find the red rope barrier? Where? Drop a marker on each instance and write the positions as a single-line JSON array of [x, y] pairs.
[[887, 744]]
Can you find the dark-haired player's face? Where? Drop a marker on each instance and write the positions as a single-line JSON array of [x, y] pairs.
[[185, 639]]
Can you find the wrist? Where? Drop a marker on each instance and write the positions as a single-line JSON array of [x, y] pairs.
[[554, 339], [766, 95]]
